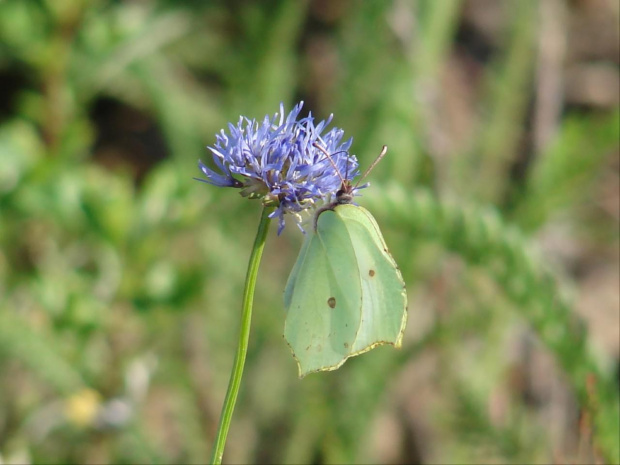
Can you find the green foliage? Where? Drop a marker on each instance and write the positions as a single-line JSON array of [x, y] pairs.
[[564, 174], [120, 277], [480, 238]]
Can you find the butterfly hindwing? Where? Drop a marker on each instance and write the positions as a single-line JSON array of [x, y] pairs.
[[384, 300]]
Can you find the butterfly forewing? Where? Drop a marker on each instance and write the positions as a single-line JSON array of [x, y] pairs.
[[323, 298]]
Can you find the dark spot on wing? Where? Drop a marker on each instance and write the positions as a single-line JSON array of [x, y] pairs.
[[371, 273], [346, 345], [331, 302]]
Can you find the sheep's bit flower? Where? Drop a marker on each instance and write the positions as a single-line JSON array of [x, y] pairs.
[[279, 162]]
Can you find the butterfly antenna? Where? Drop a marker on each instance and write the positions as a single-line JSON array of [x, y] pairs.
[[333, 154], [372, 165], [331, 160], [346, 173]]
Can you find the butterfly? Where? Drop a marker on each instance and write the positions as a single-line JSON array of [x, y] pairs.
[[345, 294]]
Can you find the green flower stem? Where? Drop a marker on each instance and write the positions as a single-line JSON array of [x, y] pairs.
[[244, 336]]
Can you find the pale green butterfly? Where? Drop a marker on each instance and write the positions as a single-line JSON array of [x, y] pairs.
[[345, 294]]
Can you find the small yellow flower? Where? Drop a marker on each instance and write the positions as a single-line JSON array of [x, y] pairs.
[[82, 407]]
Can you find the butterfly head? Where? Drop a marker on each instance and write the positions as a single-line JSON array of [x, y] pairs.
[[346, 193]]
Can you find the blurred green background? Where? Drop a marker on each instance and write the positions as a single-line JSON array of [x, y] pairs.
[[120, 276]]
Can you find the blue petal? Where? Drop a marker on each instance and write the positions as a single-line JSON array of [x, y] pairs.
[[217, 179]]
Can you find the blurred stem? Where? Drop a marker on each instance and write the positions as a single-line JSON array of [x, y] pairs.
[[68, 17], [244, 336]]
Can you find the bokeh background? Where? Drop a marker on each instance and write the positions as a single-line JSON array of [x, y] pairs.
[[120, 276]]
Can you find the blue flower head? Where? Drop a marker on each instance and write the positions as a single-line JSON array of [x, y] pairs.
[[279, 161]]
